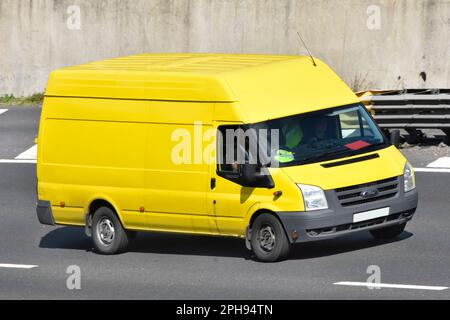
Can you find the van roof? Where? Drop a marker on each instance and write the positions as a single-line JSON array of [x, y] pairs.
[[187, 63], [260, 83]]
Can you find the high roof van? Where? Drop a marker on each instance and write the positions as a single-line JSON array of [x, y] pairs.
[[272, 149]]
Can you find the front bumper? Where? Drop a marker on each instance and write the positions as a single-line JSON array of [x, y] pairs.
[[337, 221]]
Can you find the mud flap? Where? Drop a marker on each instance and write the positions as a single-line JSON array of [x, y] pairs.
[[88, 225], [248, 238]]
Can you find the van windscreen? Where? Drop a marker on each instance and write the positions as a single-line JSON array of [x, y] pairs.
[[323, 135]]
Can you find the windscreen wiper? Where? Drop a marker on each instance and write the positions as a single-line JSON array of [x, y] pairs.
[[317, 157], [334, 154]]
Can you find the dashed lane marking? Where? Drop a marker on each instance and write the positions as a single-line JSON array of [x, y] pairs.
[[387, 285], [17, 266], [3, 111], [8, 161], [432, 170]]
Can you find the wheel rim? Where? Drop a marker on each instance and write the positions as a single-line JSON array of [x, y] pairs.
[[105, 231], [266, 238]]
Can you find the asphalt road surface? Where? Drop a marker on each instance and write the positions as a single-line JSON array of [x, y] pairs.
[[34, 259]]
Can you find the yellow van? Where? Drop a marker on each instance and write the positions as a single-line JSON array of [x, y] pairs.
[[165, 143]]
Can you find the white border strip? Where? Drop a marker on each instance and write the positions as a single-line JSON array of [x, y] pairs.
[[3, 111], [17, 266], [386, 285]]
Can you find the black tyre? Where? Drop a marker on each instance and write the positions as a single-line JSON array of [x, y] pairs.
[[388, 232], [132, 234], [108, 234], [269, 241]]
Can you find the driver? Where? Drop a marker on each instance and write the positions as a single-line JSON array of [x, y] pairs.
[[320, 130], [293, 136]]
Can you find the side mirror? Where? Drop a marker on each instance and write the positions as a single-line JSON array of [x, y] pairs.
[[395, 137], [249, 172], [254, 176]]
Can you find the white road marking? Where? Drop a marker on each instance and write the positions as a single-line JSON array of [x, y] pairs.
[[432, 170], [17, 266], [3, 111], [386, 285], [17, 161], [443, 162], [30, 154]]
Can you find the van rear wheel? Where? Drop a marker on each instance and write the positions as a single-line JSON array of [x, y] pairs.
[[269, 241], [388, 232], [108, 234]]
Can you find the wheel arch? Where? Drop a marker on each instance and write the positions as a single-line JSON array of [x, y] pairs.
[[93, 205], [252, 219]]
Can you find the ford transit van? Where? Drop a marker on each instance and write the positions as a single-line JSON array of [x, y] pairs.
[[153, 143]]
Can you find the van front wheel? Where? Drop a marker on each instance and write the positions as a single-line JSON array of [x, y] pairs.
[[107, 232], [268, 239]]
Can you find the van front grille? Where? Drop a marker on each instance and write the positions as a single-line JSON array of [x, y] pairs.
[[378, 190]]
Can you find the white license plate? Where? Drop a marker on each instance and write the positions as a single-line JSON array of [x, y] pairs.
[[372, 214]]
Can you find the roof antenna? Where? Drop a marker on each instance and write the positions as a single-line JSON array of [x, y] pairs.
[[309, 52]]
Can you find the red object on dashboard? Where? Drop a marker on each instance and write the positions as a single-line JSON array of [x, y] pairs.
[[357, 145]]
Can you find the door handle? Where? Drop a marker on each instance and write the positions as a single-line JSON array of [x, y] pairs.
[[213, 183]]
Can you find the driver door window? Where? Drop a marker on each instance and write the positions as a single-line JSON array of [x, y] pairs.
[[227, 156]]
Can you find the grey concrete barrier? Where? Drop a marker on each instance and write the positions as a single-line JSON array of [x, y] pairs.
[[370, 43]]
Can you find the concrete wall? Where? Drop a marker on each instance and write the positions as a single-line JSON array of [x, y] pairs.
[[370, 43]]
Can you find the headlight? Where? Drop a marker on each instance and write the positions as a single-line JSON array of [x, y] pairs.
[[409, 178], [314, 197]]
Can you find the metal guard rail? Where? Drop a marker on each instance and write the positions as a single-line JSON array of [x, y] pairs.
[[411, 109]]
